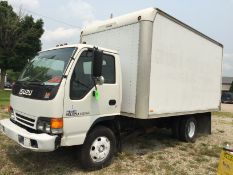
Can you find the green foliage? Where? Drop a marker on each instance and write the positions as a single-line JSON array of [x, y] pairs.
[[231, 89], [12, 76], [4, 98], [38, 73], [19, 38]]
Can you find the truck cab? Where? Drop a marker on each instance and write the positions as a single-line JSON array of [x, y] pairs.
[[57, 99]]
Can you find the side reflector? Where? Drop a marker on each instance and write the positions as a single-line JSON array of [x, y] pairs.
[[151, 110], [10, 109], [56, 123]]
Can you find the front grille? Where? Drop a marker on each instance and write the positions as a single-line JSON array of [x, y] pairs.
[[25, 120]]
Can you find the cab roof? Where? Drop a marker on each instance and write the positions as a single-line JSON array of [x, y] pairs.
[[80, 46]]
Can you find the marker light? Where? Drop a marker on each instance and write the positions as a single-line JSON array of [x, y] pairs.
[[10, 109], [56, 123]]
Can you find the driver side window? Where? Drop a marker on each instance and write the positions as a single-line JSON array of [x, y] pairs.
[[81, 80]]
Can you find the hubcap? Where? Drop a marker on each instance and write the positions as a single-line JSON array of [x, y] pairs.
[[100, 149], [191, 129]]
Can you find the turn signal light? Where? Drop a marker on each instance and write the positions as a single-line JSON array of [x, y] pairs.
[[56, 123]]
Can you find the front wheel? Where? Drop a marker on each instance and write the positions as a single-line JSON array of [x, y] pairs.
[[98, 148]]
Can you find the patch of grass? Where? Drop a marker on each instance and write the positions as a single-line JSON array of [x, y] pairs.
[[129, 156], [3, 115], [226, 143], [223, 114], [4, 98], [184, 148], [211, 169], [160, 157], [147, 168], [166, 166], [118, 167], [214, 165], [221, 131], [150, 156], [210, 150], [180, 172], [121, 155], [200, 159], [20, 161]]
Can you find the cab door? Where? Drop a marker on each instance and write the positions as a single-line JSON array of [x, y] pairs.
[[81, 108]]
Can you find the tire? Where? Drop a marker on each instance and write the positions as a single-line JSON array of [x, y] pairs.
[[98, 149], [188, 129]]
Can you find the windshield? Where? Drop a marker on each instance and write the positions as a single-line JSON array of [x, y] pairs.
[[47, 67]]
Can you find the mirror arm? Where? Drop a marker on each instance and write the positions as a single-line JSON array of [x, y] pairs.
[[94, 83]]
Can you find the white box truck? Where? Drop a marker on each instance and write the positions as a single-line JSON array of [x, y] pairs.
[[142, 69]]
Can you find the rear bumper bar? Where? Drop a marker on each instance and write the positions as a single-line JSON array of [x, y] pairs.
[[36, 142]]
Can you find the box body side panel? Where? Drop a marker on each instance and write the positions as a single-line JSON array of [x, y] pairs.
[[185, 70], [126, 41]]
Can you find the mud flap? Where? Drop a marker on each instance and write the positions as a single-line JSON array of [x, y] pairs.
[[203, 123]]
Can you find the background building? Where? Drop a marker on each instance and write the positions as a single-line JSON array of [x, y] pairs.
[[226, 83]]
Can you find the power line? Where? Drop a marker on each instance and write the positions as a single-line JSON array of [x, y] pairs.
[[50, 18], [53, 19]]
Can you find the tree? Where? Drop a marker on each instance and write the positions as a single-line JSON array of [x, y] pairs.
[[19, 39], [231, 88], [12, 76]]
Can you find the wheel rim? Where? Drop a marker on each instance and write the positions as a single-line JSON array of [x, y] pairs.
[[191, 129], [100, 149]]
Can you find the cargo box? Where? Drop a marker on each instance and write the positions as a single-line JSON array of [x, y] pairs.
[[168, 68]]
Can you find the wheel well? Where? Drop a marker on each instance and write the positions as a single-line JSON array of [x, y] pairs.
[[203, 121], [109, 122]]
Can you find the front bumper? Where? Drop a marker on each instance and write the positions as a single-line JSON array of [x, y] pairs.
[[33, 141]]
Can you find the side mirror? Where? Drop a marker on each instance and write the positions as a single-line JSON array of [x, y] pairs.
[[97, 63], [100, 80]]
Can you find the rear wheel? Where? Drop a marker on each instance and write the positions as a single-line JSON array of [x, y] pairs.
[[188, 129], [98, 148]]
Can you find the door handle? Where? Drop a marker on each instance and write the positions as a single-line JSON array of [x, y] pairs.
[[112, 102]]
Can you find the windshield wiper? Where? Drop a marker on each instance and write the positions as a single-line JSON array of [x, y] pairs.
[[35, 82]]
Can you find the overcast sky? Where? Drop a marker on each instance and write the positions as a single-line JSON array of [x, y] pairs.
[[65, 18]]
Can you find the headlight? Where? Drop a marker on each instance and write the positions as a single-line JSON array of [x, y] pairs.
[[50, 125]]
